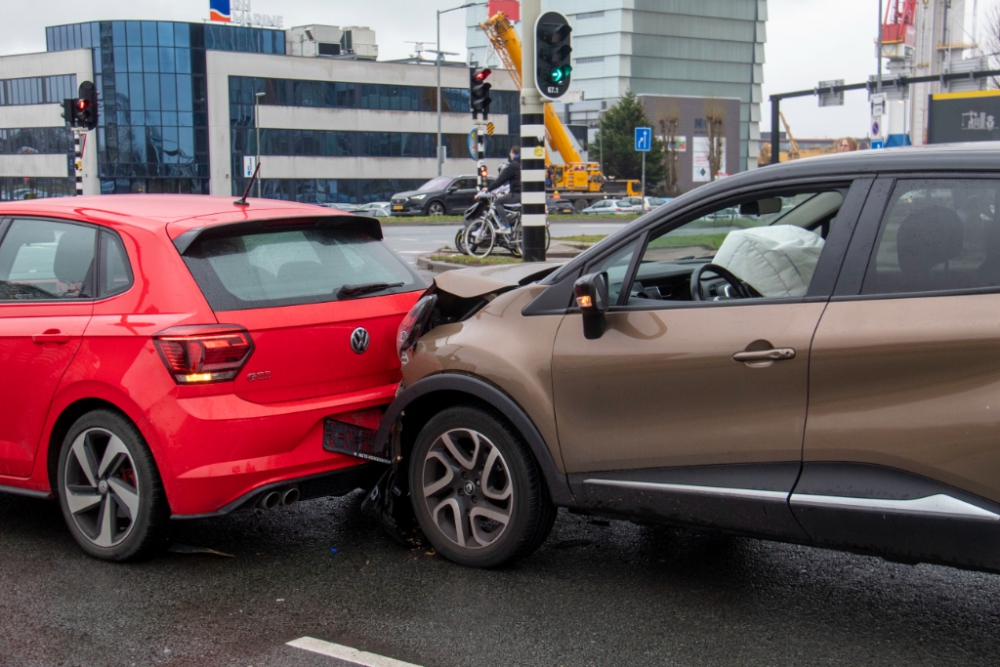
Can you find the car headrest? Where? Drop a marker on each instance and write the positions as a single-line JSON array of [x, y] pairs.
[[74, 255], [928, 237]]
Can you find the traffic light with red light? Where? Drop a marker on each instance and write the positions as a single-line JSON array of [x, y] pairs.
[[479, 92], [553, 55], [85, 106]]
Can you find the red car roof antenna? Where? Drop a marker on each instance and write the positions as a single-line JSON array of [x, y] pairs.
[[242, 201]]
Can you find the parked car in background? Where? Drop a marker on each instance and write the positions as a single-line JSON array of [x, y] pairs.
[[608, 207], [384, 205], [172, 356], [643, 204], [825, 375], [559, 206], [347, 208], [374, 212], [439, 196]]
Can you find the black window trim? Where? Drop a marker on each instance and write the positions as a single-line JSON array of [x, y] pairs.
[[857, 189], [859, 254], [5, 227]]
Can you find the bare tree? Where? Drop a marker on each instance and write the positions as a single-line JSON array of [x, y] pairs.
[[990, 44], [715, 126], [669, 125]]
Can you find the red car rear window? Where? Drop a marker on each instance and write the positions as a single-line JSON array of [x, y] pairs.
[[283, 266]]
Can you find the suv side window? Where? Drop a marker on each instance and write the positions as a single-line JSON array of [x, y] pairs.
[[44, 260], [937, 234]]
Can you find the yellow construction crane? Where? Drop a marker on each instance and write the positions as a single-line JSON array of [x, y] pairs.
[[576, 179]]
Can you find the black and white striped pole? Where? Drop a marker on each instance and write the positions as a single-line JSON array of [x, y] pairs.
[[79, 140], [532, 143]]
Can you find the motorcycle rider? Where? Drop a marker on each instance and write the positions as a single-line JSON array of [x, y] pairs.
[[510, 176]]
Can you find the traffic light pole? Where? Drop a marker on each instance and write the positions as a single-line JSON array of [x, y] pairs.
[[532, 142], [79, 140]]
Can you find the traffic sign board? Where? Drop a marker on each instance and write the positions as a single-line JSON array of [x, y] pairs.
[[249, 165], [644, 139], [877, 143], [876, 126]]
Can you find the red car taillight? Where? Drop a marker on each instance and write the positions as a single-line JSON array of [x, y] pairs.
[[199, 354]]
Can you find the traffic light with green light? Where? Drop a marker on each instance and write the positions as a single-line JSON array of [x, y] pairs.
[[553, 55]]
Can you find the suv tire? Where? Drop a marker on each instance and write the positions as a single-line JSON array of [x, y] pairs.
[[435, 208], [477, 492], [109, 487]]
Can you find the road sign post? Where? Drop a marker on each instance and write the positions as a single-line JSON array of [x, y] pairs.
[[643, 144]]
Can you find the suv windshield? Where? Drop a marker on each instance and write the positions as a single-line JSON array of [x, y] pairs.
[[283, 267], [435, 184]]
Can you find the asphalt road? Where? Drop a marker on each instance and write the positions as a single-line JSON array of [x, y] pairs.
[[597, 593]]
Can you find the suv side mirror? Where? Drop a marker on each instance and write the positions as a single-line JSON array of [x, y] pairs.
[[591, 292], [452, 188]]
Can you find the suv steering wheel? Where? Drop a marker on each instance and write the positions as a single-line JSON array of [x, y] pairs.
[[740, 289]]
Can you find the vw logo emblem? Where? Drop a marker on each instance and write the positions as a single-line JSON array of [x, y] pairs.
[[360, 340]]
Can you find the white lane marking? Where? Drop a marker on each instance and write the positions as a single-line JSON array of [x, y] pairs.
[[346, 653]]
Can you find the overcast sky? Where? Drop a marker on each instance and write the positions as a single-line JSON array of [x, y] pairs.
[[807, 40]]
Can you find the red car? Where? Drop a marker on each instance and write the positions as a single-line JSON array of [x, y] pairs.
[[186, 356]]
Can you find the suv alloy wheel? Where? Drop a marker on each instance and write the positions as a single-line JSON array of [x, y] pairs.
[[477, 492]]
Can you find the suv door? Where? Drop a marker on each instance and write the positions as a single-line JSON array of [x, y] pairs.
[[666, 414], [460, 194], [900, 452], [46, 289]]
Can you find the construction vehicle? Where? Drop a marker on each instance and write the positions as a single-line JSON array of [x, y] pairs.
[[795, 153], [576, 180]]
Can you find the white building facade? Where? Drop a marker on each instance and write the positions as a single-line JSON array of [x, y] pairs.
[[180, 106]]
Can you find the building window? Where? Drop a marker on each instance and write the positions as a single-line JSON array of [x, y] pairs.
[[36, 188], [36, 141], [590, 15], [37, 90], [594, 59]]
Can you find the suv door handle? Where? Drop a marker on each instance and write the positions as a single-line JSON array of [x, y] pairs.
[[775, 354], [51, 336]]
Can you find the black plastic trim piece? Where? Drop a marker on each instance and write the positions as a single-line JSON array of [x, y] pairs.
[[831, 260], [28, 493], [554, 300], [556, 481], [747, 498], [335, 483], [852, 273], [867, 480], [900, 527]]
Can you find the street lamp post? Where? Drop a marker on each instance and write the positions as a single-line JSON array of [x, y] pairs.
[[438, 55], [256, 125]]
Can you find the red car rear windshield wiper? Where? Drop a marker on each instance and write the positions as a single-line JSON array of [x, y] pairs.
[[351, 291]]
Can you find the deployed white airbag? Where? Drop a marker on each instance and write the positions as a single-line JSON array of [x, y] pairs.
[[776, 261]]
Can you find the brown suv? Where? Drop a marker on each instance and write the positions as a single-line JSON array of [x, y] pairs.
[[823, 368]]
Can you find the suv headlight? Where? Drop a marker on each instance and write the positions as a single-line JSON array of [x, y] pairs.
[[417, 197], [413, 325]]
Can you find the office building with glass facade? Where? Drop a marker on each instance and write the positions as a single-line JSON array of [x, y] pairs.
[[180, 105], [679, 48]]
